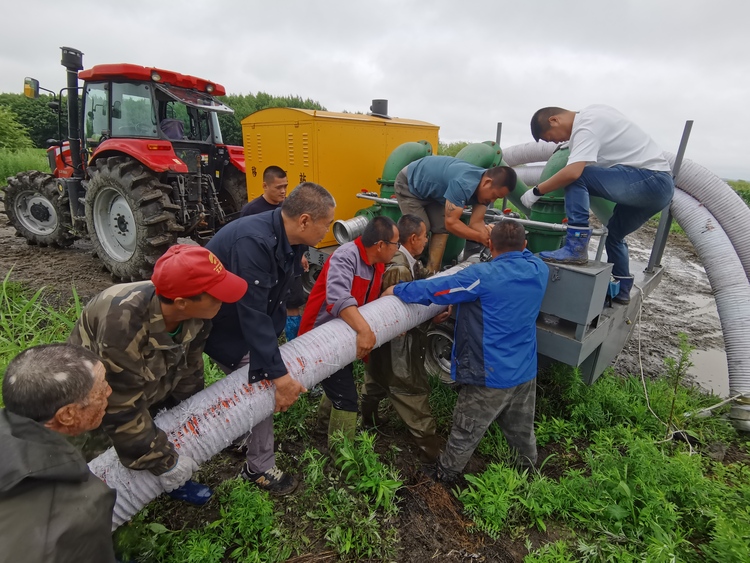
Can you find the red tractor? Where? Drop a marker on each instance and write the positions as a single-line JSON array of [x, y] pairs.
[[143, 163]]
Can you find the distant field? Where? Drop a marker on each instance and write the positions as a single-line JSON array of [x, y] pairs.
[[14, 161]]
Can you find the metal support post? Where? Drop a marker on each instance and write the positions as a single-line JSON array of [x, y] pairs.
[[665, 222], [498, 135]]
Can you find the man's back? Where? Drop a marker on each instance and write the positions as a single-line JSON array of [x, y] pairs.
[[444, 177], [497, 306], [51, 507], [124, 326], [510, 290], [604, 136]]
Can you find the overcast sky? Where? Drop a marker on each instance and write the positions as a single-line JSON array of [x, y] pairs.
[[462, 65]]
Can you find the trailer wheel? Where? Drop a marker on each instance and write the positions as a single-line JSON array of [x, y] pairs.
[[129, 217], [37, 210], [233, 193], [310, 277], [437, 359]]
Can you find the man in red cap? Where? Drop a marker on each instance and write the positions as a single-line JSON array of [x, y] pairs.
[[150, 336]]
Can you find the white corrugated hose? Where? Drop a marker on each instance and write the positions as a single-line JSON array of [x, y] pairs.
[[209, 421], [722, 201], [730, 288]]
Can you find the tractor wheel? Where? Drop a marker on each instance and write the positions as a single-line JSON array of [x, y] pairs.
[[437, 359], [233, 193], [129, 217], [37, 210]]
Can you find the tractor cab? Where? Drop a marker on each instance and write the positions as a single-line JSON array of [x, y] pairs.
[[132, 102]]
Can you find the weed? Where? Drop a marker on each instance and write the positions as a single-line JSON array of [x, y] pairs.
[[364, 472], [491, 497], [27, 320], [14, 161], [676, 371], [247, 531], [557, 552], [442, 401], [494, 445], [350, 518]]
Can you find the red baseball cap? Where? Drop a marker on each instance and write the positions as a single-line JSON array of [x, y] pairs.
[[186, 270]]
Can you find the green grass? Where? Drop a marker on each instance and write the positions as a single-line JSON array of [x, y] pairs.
[[348, 506], [624, 493], [611, 486], [742, 188], [27, 319], [14, 161]]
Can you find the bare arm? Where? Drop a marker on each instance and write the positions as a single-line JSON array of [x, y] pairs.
[[365, 335], [564, 177], [474, 231]]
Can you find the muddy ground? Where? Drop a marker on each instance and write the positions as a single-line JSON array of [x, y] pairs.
[[681, 303], [431, 524]]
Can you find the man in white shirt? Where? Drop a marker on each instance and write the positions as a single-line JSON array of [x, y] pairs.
[[612, 158]]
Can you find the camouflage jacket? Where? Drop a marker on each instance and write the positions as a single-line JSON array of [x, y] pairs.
[[399, 364], [124, 326], [398, 271]]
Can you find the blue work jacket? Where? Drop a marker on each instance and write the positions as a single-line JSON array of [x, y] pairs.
[[255, 248], [497, 306]]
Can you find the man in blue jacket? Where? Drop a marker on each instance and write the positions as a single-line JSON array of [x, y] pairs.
[[494, 347], [265, 250]]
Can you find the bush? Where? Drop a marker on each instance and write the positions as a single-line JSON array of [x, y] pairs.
[[12, 134], [742, 188]]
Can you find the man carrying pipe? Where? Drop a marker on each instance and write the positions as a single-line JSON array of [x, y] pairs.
[[51, 507], [438, 188], [265, 250], [351, 277], [494, 347], [612, 158], [150, 336], [396, 369], [275, 183]]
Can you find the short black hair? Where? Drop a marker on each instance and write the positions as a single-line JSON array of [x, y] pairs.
[[408, 225], [508, 236], [380, 228], [42, 379], [502, 176], [540, 120], [273, 173]]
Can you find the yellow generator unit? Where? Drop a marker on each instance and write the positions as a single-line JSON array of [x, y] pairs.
[[343, 152]]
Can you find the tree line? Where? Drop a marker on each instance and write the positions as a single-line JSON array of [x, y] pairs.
[[30, 123]]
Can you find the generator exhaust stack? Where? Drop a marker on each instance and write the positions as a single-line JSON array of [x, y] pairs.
[[379, 108]]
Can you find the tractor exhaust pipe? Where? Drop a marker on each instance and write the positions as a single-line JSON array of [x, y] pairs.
[[72, 60]]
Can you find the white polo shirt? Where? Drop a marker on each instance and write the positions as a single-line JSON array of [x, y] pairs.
[[602, 136]]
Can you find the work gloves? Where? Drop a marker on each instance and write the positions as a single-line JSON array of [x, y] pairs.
[[531, 197], [179, 474]]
